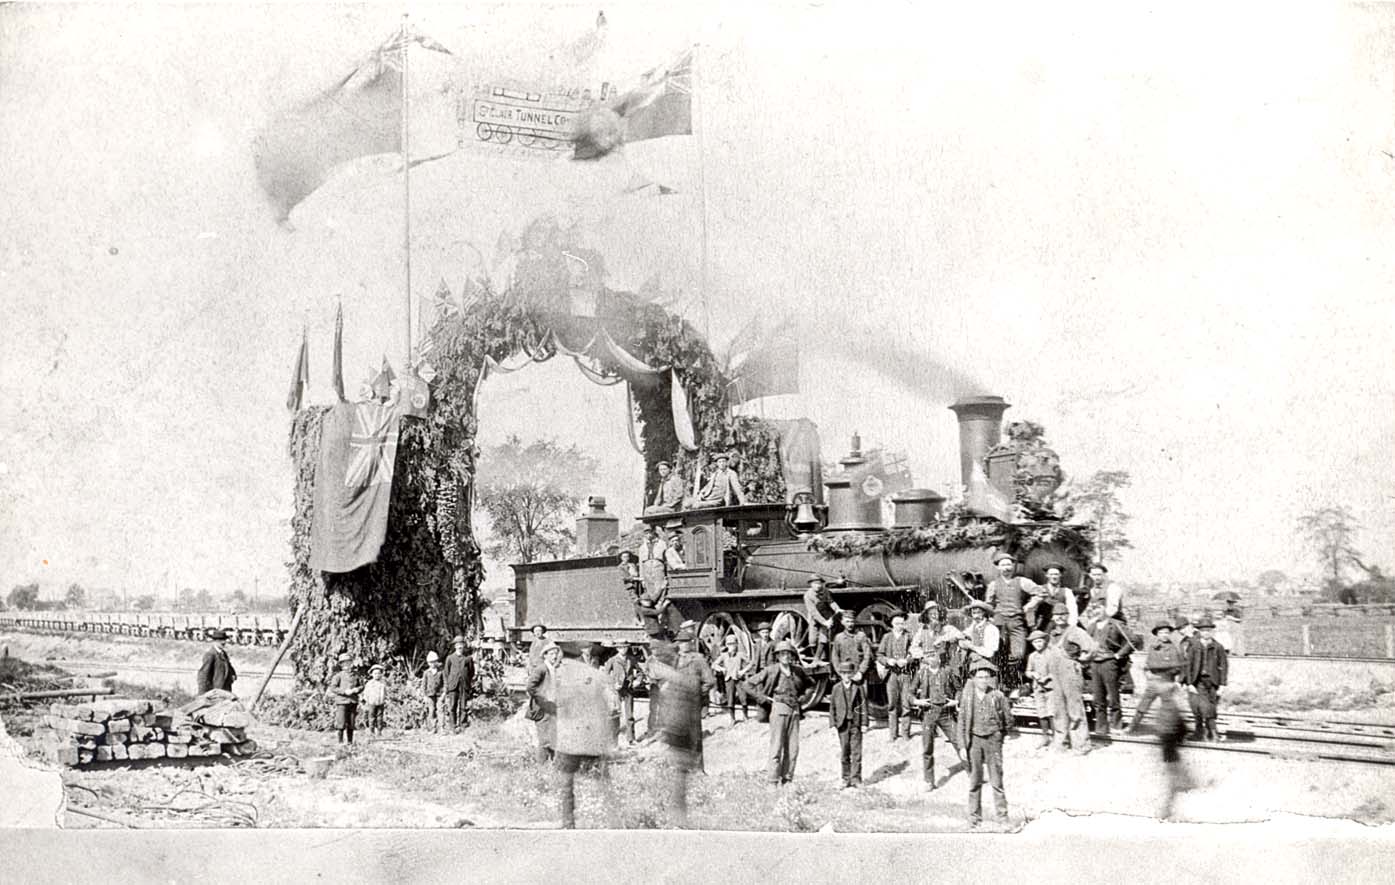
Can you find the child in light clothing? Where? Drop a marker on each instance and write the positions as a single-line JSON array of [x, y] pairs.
[[1040, 679], [374, 700]]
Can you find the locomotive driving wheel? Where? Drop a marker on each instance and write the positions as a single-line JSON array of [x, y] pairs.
[[794, 627], [716, 627]]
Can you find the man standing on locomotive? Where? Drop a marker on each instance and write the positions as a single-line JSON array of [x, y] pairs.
[[1055, 593], [820, 609], [894, 656], [1008, 595]]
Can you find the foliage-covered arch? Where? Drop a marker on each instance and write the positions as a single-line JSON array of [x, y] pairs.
[[425, 585]]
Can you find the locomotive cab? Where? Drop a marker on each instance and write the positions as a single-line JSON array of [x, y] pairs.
[[717, 542]]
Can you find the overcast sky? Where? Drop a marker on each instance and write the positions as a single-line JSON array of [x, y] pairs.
[[1165, 235]]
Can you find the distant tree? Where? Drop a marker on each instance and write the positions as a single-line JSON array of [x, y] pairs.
[[1097, 498], [238, 598], [1328, 532], [185, 600], [24, 596], [144, 603], [531, 494], [1271, 578], [76, 597], [203, 600]]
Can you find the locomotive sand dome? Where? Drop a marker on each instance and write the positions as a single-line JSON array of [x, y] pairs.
[[747, 564]]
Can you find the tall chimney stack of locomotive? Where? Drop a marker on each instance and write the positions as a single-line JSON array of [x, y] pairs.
[[980, 429]]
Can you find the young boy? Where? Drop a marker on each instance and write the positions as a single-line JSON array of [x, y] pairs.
[[846, 707], [629, 573], [1207, 668], [433, 688], [1040, 680], [932, 693], [984, 718], [343, 690], [730, 668], [375, 700]]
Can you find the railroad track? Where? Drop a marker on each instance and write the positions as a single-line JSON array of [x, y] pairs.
[[1326, 659], [1281, 737]]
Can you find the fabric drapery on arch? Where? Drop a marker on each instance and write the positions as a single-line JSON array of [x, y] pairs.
[[682, 417]]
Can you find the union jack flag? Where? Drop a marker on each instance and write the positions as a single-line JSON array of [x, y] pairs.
[[372, 445]]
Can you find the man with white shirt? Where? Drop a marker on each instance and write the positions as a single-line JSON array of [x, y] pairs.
[[1107, 592]]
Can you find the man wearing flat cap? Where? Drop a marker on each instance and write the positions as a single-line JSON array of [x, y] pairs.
[[984, 718], [216, 672], [821, 611], [782, 686], [459, 677], [1208, 667], [668, 497]]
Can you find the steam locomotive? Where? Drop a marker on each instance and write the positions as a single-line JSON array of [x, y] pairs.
[[747, 564]]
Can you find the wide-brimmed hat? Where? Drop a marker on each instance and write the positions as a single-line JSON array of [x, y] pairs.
[[432, 657], [1059, 608], [1056, 565], [663, 464], [999, 557], [537, 625], [1161, 625], [344, 657], [548, 646], [980, 605], [929, 604], [1099, 565], [763, 625], [816, 579], [377, 668], [608, 643], [685, 636], [784, 645], [1205, 624], [730, 639], [847, 667], [983, 665], [217, 634], [1035, 635], [459, 640]]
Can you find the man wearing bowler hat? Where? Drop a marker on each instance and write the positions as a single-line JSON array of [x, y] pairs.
[[216, 671], [980, 639], [459, 677], [1164, 666]]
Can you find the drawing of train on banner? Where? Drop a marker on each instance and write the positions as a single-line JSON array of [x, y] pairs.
[[542, 121]]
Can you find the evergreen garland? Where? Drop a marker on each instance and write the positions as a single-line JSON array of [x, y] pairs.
[[425, 586]]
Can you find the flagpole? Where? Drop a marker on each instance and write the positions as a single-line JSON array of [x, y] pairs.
[[406, 207], [700, 124]]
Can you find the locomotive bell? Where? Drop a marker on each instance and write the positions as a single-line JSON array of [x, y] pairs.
[[805, 519]]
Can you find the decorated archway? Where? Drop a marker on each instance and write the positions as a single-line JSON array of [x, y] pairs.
[[424, 586]]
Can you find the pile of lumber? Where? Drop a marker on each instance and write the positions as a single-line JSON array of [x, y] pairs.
[[125, 729]]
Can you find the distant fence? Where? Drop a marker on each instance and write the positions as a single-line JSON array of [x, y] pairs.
[[241, 629], [1318, 629]]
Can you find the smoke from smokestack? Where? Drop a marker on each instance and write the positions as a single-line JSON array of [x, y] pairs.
[[915, 369]]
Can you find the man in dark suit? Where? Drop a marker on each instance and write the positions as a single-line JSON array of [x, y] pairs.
[[846, 708], [1208, 667], [216, 671], [459, 677]]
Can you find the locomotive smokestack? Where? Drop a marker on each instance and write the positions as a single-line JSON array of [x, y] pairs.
[[980, 429]]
